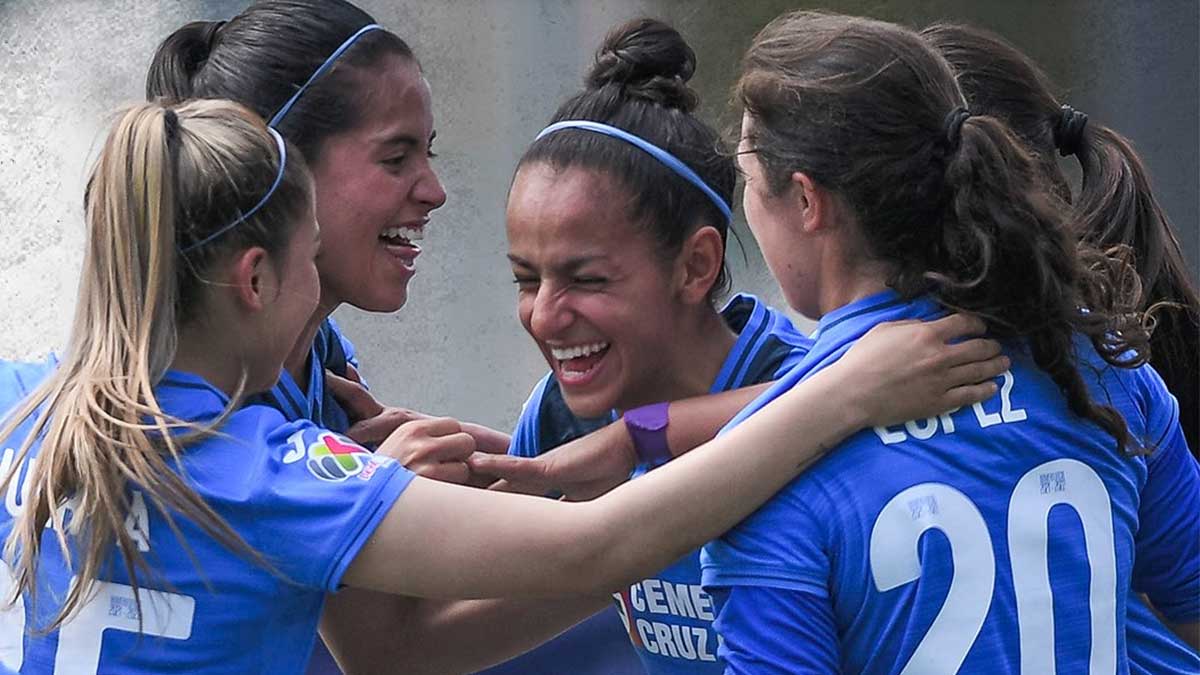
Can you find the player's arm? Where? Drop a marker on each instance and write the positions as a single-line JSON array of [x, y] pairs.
[[370, 632], [1167, 563], [442, 540], [596, 463]]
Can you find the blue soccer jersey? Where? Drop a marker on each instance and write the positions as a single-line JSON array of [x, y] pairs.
[[331, 350], [669, 617], [998, 538], [210, 610]]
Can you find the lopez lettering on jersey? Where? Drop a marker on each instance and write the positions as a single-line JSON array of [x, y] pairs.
[[997, 538], [330, 351], [276, 483], [669, 617]]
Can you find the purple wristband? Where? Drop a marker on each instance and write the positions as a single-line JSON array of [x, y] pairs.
[[647, 427]]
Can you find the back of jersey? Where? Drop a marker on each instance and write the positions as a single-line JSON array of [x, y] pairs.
[[994, 538]]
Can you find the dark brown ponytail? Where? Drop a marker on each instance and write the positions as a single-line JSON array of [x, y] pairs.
[[950, 202], [1114, 206]]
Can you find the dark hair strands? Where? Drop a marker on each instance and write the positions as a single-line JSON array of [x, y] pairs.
[[1114, 210], [639, 83], [861, 106], [260, 57]]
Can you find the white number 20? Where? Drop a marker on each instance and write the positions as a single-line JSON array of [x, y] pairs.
[[894, 562], [111, 606]]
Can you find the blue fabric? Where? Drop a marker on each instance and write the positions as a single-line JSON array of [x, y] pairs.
[[668, 617], [885, 527], [275, 482], [331, 350]]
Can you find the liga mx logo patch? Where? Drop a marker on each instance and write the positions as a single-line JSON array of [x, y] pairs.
[[332, 458]]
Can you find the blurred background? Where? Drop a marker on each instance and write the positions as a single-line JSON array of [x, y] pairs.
[[498, 68]]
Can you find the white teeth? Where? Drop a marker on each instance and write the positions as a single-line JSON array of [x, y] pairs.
[[568, 353], [406, 233]]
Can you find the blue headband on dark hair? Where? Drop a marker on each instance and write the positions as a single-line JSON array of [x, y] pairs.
[[283, 111], [287, 107], [670, 161], [246, 216]]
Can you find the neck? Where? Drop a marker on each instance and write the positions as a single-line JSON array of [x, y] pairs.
[[845, 279], [693, 361], [194, 353], [297, 360]]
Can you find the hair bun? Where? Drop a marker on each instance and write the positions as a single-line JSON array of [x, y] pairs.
[[179, 58], [646, 59]]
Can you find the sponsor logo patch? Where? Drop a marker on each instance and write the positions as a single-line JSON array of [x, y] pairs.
[[331, 457]]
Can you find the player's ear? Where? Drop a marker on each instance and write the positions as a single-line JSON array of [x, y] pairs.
[[252, 278]]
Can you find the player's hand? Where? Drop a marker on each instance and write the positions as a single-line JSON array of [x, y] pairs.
[[909, 370], [376, 422], [373, 421], [434, 447], [580, 470]]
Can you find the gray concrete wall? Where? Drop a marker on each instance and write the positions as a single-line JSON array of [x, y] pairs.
[[498, 69]]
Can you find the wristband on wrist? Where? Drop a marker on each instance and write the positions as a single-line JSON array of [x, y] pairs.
[[647, 427]]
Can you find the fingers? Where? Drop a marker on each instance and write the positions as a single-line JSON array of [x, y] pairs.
[[378, 427], [488, 439], [452, 448], [970, 351], [977, 372], [507, 467], [358, 402], [447, 472], [958, 326], [352, 374], [966, 395]]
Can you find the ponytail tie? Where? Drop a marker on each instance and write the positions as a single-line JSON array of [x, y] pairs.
[[952, 128], [170, 125], [1068, 130]]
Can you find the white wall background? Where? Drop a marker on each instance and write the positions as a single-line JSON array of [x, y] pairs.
[[498, 69]]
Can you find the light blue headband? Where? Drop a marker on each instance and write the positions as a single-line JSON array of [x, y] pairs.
[[287, 107], [246, 216], [283, 111], [670, 161]]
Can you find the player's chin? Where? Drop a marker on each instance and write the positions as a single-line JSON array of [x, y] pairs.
[[382, 298]]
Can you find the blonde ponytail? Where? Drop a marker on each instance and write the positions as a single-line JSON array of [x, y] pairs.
[[99, 427]]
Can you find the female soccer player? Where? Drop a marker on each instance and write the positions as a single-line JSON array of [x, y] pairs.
[[875, 195], [1115, 206], [617, 223], [157, 522], [350, 95]]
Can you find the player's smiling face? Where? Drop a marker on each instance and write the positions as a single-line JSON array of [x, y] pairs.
[[593, 290], [375, 190]]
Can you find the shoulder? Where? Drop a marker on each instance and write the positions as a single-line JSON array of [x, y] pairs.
[[547, 422], [768, 345], [1139, 394], [18, 379]]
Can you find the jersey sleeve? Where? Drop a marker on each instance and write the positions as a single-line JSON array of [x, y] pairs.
[[773, 631], [527, 432], [317, 498], [782, 545], [1167, 561]]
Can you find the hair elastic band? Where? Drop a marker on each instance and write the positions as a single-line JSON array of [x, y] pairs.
[[287, 107], [952, 127], [670, 161], [1068, 131], [246, 216]]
